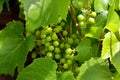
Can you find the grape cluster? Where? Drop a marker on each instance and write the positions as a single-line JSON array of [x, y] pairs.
[[55, 41]]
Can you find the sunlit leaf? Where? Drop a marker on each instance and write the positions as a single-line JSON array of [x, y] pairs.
[[14, 47], [39, 69]]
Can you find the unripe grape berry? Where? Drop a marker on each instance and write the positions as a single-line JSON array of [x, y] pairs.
[[67, 45], [80, 17], [57, 56], [33, 55], [43, 36], [49, 30], [51, 48], [68, 51], [47, 44], [49, 55], [37, 33], [67, 56], [93, 14], [65, 33], [65, 66], [81, 24], [59, 19], [70, 40], [63, 60], [56, 43], [54, 36], [62, 23], [91, 20], [74, 36], [57, 50], [48, 38], [69, 62], [80, 5], [62, 45]]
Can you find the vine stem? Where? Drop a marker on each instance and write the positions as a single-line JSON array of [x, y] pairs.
[[70, 8]]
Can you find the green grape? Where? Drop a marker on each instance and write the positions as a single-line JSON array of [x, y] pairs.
[[67, 45], [80, 17], [57, 50], [59, 19], [43, 51], [49, 30], [93, 14], [62, 60], [37, 33], [70, 40], [57, 56], [74, 36], [48, 38], [65, 33], [68, 51], [81, 24], [62, 23], [33, 55], [56, 43], [54, 36], [65, 66], [58, 29], [51, 48], [91, 20], [47, 44], [62, 45], [69, 62], [77, 70], [43, 41], [67, 56], [43, 36], [76, 41], [72, 57], [49, 55], [80, 5]]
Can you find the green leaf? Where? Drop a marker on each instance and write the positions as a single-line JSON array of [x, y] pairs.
[[101, 19], [116, 76], [68, 75], [13, 47], [94, 69], [100, 5], [110, 45], [113, 21], [39, 69], [117, 4], [94, 32], [116, 58], [85, 50], [44, 12]]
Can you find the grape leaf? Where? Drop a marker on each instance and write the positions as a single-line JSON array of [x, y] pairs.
[[13, 47], [85, 50], [101, 5], [68, 75], [116, 58], [101, 19], [43, 12], [39, 69], [110, 45], [94, 32], [116, 76], [117, 4], [94, 69], [113, 20]]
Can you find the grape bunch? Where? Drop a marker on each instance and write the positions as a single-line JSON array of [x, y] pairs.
[[55, 41], [58, 42]]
